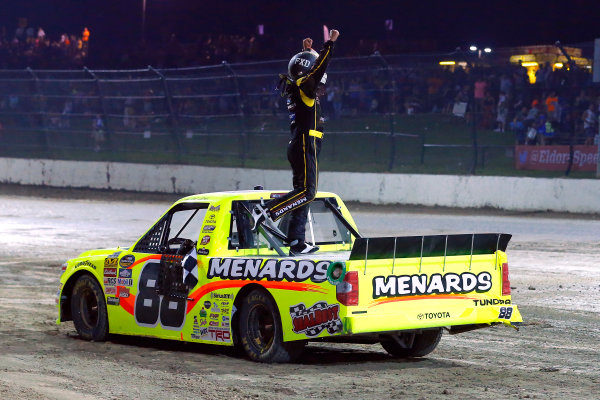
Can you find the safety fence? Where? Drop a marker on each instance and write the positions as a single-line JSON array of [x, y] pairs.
[[398, 113]]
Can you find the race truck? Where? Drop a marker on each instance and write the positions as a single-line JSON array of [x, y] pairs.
[[202, 274]]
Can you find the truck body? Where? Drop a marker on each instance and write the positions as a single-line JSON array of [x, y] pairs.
[[234, 286]]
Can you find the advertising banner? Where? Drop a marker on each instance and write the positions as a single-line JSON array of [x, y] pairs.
[[556, 158]]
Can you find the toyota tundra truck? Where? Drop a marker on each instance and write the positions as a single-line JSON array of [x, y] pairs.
[[202, 274]]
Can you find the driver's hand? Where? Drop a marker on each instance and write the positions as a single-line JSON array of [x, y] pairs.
[[333, 35], [307, 44]]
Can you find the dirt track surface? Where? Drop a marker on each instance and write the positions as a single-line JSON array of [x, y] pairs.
[[555, 273]]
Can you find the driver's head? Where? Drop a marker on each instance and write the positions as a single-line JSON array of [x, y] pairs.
[[301, 63]]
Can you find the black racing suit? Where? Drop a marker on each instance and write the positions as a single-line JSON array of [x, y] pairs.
[[304, 147]]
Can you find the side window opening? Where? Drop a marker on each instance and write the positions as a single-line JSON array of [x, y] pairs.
[[322, 226], [184, 221]]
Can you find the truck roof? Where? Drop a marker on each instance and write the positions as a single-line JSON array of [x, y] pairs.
[[241, 195]]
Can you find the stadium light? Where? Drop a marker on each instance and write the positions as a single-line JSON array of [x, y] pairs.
[[472, 47], [487, 50]]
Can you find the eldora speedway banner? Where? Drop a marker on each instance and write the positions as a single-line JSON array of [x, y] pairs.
[[556, 158]]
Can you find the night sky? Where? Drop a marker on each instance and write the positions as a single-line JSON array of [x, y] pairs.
[[445, 25]]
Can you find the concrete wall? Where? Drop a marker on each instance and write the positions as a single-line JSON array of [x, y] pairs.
[[537, 194]]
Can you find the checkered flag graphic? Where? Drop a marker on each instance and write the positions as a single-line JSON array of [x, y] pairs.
[[190, 268]]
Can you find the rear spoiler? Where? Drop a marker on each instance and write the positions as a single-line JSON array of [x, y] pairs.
[[428, 246]]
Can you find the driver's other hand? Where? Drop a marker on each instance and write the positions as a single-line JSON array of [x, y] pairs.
[[333, 35], [307, 44]]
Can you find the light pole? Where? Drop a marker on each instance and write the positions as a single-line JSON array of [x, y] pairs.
[[143, 21]]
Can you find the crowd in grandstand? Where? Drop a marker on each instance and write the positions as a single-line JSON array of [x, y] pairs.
[[30, 47], [561, 107]]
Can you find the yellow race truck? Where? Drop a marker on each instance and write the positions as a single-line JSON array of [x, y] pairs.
[[201, 274]]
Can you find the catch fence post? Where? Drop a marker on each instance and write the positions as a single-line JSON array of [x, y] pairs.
[[41, 109], [174, 120], [392, 160], [109, 133], [242, 98]]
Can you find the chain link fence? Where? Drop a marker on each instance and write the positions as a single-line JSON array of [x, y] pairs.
[[393, 113]]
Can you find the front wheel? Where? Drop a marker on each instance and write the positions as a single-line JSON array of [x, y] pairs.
[[89, 309], [412, 344], [260, 330]]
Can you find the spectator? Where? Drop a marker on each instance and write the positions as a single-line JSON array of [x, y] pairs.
[[518, 125], [589, 124], [552, 105], [502, 112], [98, 132]]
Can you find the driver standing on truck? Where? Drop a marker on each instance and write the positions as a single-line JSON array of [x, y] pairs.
[[305, 71]]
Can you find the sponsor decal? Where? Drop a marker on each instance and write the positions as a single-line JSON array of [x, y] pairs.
[[214, 209], [207, 304], [123, 291], [224, 310], [203, 313], [196, 329], [271, 270], [125, 273], [203, 322], [215, 308], [110, 261], [225, 318], [215, 295], [110, 281], [202, 251], [410, 285], [85, 263], [217, 335], [110, 290], [110, 272], [127, 260], [490, 302], [205, 240], [434, 315], [125, 282], [225, 324], [113, 301], [290, 206], [212, 216], [214, 316], [312, 321], [208, 228], [210, 221], [213, 323]]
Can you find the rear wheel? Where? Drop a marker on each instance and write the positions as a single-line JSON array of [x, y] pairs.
[[260, 330], [89, 309], [412, 344]]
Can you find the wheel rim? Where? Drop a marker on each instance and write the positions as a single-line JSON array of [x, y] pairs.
[[261, 327], [88, 307]]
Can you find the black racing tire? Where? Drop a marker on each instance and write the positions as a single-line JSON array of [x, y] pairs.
[[405, 345], [260, 330], [88, 309]]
